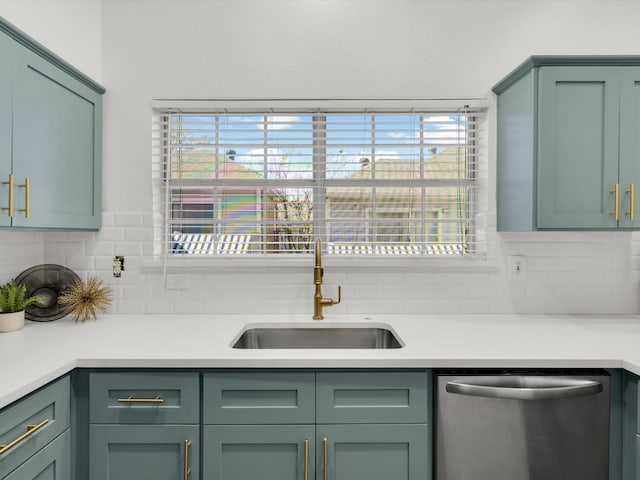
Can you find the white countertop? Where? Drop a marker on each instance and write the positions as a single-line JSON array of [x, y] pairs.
[[41, 352]]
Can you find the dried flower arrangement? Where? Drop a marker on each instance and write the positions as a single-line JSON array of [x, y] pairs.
[[82, 299]]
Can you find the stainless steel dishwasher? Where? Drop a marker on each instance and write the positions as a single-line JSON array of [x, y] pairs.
[[522, 425]]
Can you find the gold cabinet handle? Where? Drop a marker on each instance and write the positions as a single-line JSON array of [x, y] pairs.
[[31, 429], [306, 459], [616, 208], [130, 399], [9, 209], [27, 188], [187, 470], [632, 201], [325, 454]]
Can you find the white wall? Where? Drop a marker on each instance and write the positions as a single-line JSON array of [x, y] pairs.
[[72, 29], [333, 49]]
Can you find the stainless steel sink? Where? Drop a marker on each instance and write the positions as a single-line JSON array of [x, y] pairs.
[[317, 337]]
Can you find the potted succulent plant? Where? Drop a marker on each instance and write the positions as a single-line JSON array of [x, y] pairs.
[[13, 301]]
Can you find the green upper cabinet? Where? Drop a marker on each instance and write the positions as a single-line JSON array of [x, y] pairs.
[[50, 139], [567, 151], [6, 98]]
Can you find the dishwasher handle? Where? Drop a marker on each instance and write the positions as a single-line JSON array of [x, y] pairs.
[[526, 388]]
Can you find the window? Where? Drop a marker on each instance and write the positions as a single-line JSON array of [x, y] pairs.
[[371, 183]]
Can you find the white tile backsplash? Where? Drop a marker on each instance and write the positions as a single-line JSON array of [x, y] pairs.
[[19, 250], [566, 272]]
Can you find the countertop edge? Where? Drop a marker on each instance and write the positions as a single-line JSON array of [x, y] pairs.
[[203, 342]]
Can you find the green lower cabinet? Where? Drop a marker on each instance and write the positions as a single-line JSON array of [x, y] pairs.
[[50, 463], [267, 452], [278, 452], [144, 452], [374, 452], [636, 474]]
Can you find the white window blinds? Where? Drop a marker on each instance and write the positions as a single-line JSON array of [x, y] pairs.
[[372, 183]]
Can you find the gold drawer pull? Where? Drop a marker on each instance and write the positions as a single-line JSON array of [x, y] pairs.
[[325, 473], [130, 399], [9, 209], [31, 429], [616, 207], [187, 470], [306, 459], [632, 201], [27, 195]]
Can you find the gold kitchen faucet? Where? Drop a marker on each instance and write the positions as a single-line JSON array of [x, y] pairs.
[[318, 300]]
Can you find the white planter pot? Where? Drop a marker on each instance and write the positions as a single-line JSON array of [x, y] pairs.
[[10, 322]]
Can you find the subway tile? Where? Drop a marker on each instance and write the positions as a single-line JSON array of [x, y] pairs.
[[567, 272], [128, 219]]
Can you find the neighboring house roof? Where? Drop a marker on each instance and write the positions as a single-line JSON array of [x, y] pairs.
[[211, 166], [444, 165]]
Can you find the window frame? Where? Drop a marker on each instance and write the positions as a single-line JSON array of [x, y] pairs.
[[320, 224]]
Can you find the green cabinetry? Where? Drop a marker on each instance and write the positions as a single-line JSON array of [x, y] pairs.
[[258, 425], [35, 435], [568, 154], [144, 425], [50, 463], [6, 100], [50, 139], [268, 452], [322, 425], [374, 451], [630, 427]]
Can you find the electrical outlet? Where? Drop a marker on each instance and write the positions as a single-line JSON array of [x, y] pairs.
[[517, 267], [118, 266]]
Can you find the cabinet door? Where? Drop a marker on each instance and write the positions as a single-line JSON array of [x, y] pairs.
[[33, 422], [577, 147], [6, 85], [51, 463], [374, 452], [135, 452], [629, 145], [267, 452], [57, 145]]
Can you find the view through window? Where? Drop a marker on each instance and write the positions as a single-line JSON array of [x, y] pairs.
[[366, 183]]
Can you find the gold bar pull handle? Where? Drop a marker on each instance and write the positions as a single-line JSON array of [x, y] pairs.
[[131, 399], [27, 194], [306, 459], [31, 429], [632, 201], [187, 470], [616, 208], [325, 449], [9, 208]]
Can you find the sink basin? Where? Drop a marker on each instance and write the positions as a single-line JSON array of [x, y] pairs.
[[317, 337]]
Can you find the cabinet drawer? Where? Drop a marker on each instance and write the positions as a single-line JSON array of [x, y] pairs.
[[52, 462], [33, 422], [372, 397], [259, 398], [144, 397]]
